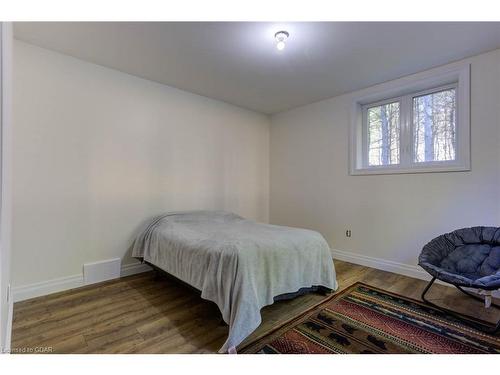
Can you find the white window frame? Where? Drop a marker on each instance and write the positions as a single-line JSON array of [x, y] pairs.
[[403, 91]]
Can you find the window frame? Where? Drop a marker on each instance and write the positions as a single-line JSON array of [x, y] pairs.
[[436, 80]]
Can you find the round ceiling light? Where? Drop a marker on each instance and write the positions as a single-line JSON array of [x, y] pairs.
[[281, 37]]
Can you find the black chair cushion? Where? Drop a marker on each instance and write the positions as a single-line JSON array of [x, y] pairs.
[[466, 257]]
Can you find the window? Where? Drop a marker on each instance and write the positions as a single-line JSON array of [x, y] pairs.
[[434, 126], [422, 127], [383, 130]]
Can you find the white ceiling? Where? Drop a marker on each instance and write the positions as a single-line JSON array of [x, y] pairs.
[[238, 63]]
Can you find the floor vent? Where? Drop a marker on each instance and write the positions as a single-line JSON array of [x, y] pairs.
[[101, 271]]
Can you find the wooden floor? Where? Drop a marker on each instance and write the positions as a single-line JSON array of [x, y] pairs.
[[139, 314]]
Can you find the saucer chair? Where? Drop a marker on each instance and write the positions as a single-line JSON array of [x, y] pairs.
[[465, 258]]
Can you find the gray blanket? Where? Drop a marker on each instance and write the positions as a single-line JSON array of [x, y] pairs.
[[239, 264]]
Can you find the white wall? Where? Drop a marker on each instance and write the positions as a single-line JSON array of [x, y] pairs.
[[98, 151], [6, 183], [391, 216]]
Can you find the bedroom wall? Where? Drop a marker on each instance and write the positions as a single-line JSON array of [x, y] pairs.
[[6, 305], [391, 216], [97, 152]]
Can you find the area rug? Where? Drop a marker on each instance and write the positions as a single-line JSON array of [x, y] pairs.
[[365, 319]]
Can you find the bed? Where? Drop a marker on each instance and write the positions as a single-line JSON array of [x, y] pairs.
[[239, 264]]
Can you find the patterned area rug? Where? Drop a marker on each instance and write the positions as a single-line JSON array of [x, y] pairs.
[[364, 319]]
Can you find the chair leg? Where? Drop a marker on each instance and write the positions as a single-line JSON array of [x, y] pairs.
[[476, 296], [426, 290], [483, 327]]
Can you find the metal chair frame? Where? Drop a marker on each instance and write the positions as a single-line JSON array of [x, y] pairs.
[[466, 319]]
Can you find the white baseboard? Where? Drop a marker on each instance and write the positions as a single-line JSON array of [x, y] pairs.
[[381, 264], [24, 292]]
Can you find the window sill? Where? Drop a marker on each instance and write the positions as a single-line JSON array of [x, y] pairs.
[[410, 170]]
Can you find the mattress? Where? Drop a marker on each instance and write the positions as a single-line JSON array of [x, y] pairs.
[[239, 264]]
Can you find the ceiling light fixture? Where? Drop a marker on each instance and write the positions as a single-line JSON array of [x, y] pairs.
[[281, 37]]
